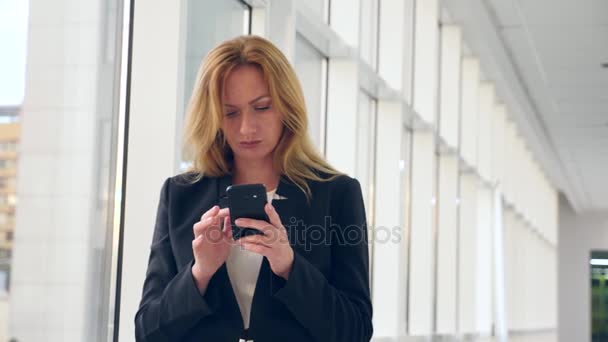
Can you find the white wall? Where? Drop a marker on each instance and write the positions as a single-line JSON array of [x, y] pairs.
[[578, 235], [4, 318]]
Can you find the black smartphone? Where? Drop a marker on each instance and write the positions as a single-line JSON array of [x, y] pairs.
[[246, 201]]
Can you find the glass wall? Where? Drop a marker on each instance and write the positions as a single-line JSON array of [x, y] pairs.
[[207, 23], [395, 99], [59, 216], [311, 67]]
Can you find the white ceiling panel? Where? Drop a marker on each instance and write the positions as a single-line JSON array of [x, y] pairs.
[[576, 94], [557, 47], [581, 133], [582, 108], [578, 78], [564, 120], [505, 12], [566, 13]]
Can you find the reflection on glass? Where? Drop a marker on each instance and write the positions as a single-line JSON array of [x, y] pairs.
[[209, 22], [599, 296], [310, 67], [368, 47], [320, 8], [55, 250]]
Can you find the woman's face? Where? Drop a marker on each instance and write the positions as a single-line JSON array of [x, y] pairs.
[[251, 125]]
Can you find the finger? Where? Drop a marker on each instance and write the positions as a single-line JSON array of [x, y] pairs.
[[273, 216], [227, 224], [197, 242], [211, 212], [256, 239], [223, 213], [260, 225], [256, 248], [201, 226], [228, 230]]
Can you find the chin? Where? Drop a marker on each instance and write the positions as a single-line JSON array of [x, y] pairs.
[[253, 155]]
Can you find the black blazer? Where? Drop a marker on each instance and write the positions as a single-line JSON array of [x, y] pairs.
[[326, 297]]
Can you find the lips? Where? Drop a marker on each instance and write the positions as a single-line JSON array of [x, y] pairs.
[[250, 144]]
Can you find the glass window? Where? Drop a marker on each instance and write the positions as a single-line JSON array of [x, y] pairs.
[[209, 23], [426, 51], [59, 278], [368, 44], [311, 68], [320, 8], [366, 161], [3, 284], [366, 145], [4, 119], [449, 101]]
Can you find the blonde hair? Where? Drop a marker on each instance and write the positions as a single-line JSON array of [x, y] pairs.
[[294, 157]]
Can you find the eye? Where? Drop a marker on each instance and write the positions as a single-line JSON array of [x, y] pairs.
[[262, 108], [229, 114]]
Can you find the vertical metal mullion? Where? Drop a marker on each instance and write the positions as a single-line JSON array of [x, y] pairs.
[[459, 196], [436, 184], [122, 154], [411, 153]]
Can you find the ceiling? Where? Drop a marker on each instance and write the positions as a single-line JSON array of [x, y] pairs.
[[558, 48], [546, 57]]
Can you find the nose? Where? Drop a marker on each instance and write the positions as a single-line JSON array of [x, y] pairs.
[[248, 124]]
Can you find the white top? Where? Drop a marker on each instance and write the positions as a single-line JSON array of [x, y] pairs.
[[243, 270]]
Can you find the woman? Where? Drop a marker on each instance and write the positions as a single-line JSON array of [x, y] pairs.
[[305, 278]]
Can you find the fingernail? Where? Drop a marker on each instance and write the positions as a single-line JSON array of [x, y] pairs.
[[238, 221]]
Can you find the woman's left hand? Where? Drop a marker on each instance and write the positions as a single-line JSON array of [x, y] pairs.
[[273, 244]]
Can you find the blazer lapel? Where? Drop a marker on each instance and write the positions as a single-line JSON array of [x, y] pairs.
[[291, 204], [223, 284]]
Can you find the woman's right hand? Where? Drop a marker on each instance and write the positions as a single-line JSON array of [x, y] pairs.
[[211, 245]]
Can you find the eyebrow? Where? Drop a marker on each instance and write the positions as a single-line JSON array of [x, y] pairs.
[[250, 102]]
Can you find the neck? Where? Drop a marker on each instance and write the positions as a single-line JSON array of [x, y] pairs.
[[261, 171]]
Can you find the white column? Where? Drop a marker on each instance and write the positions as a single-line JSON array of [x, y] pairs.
[[422, 238], [390, 266], [343, 91], [469, 109], [447, 247], [152, 139], [485, 117], [483, 258], [467, 247]]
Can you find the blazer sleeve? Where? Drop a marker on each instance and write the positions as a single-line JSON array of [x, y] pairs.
[[171, 303], [338, 308]]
